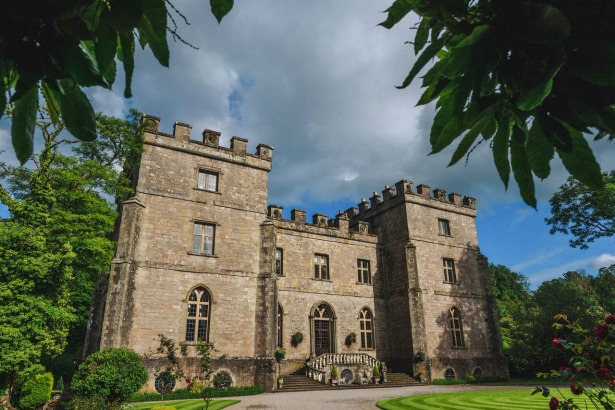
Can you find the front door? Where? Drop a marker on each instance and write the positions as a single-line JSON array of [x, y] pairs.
[[322, 336]]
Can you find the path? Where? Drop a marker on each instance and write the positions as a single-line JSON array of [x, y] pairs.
[[347, 399]]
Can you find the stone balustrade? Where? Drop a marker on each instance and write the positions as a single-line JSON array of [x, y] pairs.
[[319, 368]]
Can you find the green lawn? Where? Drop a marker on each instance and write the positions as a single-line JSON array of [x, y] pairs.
[[194, 404], [479, 400]]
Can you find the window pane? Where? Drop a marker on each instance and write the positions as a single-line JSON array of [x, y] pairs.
[[201, 183], [198, 228], [212, 181], [316, 271], [203, 310], [192, 296], [190, 329], [209, 246], [202, 331], [191, 310], [204, 297], [209, 230], [196, 244]]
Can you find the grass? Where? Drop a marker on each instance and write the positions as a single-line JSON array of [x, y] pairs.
[[479, 400], [194, 404]]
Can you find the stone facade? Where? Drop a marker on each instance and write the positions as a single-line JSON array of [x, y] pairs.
[[394, 271]]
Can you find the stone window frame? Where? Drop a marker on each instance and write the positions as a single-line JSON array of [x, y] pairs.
[[280, 326], [455, 325], [185, 317], [449, 373], [208, 171], [363, 269], [319, 265], [204, 223], [444, 227], [449, 270], [480, 370], [280, 271], [366, 317]]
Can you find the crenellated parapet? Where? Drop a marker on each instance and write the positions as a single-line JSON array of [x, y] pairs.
[[338, 226], [206, 145], [404, 191]]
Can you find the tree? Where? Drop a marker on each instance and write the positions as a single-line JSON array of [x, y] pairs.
[[58, 47], [58, 241], [583, 212], [516, 311], [529, 77], [114, 374]]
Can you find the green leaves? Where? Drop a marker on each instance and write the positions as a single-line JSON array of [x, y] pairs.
[[504, 67], [220, 8], [76, 110], [24, 122], [398, 10], [153, 29]]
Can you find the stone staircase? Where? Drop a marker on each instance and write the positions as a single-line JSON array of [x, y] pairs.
[[298, 381]]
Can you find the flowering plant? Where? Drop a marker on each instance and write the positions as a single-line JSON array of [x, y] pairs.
[[591, 355]]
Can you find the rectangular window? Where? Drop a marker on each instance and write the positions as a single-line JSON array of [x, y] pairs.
[[279, 261], [321, 266], [208, 180], [363, 270], [444, 227], [449, 270], [203, 238]]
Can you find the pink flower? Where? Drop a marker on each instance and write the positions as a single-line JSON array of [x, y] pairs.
[[553, 404], [610, 319], [557, 344], [602, 373], [576, 389], [601, 331]]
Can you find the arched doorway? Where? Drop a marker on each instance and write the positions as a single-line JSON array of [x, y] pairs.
[[322, 320]]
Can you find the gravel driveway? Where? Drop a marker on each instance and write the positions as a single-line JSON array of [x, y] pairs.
[[347, 399]]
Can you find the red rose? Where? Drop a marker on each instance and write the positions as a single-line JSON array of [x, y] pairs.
[[612, 384], [602, 373], [557, 344], [610, 319], [601, 331], [576, 389], [553, 404]]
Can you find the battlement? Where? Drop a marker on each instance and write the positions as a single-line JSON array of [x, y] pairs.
[[404, 190], [208, 143]]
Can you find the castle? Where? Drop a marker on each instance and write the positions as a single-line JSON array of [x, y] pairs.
[[398, 282]]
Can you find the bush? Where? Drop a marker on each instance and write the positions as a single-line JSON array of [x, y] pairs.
[[334, 372], [35, 391], [114, 374], [87, 403], [184, 394]]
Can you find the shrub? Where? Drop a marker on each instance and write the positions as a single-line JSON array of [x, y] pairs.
[[334, 372], [114, 374], [87, 403], [60, 384], [376, 371], [35, 391]]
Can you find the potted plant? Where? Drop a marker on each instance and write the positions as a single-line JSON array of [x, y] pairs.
[[351, 338], [334, 374], [296, 339], [375, 374], [280, 354]]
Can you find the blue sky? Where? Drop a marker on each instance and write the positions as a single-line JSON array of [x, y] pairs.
[[316, 80]]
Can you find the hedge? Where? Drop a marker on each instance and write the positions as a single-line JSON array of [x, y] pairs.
[[35, 391], [470, 380], [182, 394]]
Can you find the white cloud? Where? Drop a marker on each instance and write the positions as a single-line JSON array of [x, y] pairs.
[[107, 102], [603, 260], [538, 259]]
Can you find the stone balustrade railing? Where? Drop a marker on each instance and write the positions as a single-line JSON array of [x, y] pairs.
[[319, 368]]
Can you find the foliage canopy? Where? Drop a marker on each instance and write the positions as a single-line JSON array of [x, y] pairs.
[[583, 212], [57, 47], [529, 77]]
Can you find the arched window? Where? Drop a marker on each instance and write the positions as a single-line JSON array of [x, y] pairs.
[[322, 322], [280, 324], [478, 372], [456, 327], [366, 324], [197, 324], [449, 373]]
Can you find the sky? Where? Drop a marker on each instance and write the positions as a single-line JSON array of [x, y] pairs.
[[316, 80]]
